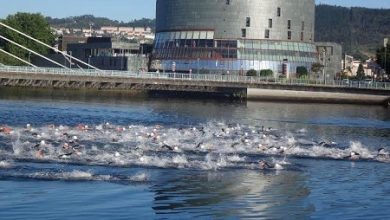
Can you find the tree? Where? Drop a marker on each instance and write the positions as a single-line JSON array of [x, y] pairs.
[[302, 72], [34, 25], [316, 67], [251, 72], [266, 73], [360, 72]]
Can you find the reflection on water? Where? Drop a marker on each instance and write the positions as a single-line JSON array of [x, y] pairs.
[[248, 194]]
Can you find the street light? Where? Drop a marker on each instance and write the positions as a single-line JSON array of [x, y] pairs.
[[324, 64], [70, 59], [89, 60], [198, 65], [386, 41]]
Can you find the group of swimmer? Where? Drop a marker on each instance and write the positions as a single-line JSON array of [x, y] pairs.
[[70, 145]]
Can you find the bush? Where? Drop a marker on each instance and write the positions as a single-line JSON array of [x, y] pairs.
[[266, 73], [251, 72], [302, 72]]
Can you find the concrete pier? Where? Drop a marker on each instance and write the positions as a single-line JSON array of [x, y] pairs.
[[243, 88], [316, 96]]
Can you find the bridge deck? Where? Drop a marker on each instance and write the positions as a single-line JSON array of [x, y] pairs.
[[235, 85]]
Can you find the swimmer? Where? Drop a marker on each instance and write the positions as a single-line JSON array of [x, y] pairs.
[[40, 153], [353, 156], [5, 130], [166, 146], [383, 154], [200, 145], [264, 165]]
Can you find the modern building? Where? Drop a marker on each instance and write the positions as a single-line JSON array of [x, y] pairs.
[[330, 55], [234, 36], [100, 52]]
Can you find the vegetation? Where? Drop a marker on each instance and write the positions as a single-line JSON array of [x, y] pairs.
[[34, 25], [302, 72], [316, 67], [85, 21], [359, 30], [251, 72], [360, 72], [266, 73]]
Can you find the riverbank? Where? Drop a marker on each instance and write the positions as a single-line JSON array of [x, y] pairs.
[[249, 95], [317, 97]]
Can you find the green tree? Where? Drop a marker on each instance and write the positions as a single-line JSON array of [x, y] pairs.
[[34, 25], [360, 72], [251, 72], [316, 67], [302, 72], [266, 73]]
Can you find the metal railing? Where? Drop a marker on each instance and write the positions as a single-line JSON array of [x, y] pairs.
[[247, 80]]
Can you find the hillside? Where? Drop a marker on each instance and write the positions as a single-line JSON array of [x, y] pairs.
[[85, 20], [359, 30]]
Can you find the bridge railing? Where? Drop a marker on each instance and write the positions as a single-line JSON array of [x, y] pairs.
[[196, 77]]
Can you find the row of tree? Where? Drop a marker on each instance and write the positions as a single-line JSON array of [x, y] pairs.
[[301, 71], [84, 21]]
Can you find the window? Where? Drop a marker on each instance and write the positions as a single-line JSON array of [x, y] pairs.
[[248, 21], [289, 35], [266, 34], [269, 23], [289, 24], [301, 36], [279, 12], [228, 2], [243, 32], [303, 26]]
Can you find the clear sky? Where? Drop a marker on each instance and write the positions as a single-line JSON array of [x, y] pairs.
[[124, 10]]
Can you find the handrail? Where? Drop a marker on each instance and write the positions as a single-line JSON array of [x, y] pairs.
[[218, 78]]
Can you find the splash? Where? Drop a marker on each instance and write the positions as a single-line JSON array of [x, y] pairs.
[[6, 164], [210, 146]]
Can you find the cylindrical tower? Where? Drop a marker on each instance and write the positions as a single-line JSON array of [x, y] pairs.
[[234, 35]]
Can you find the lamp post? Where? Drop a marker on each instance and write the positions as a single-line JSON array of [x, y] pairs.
[[324, 64], [386, 41], [89, 60], [197, 67], [70, 59]]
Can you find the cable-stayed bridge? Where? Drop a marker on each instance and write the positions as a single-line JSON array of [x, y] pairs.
[[265, 88]]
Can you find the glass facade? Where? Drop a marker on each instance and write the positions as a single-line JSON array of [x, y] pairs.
[[199, 51]]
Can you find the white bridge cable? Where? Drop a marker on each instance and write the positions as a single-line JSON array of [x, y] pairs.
[[18, 58], [21, 46], [53, 48]]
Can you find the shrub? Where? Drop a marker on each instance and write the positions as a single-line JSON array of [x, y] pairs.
[[251, 72], [266, 73], [301, 72]]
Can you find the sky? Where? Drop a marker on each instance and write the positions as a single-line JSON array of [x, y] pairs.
[[125, 10]]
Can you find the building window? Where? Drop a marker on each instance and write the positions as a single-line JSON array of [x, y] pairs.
[[279, 12], [228, 2], [289, 24], [248, 21], [289, 35], [303, 26], [243, 32], [301, 36], [269, 23], [266, 34]]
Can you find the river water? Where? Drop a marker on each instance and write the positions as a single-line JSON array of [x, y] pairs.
[[67, 156]]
